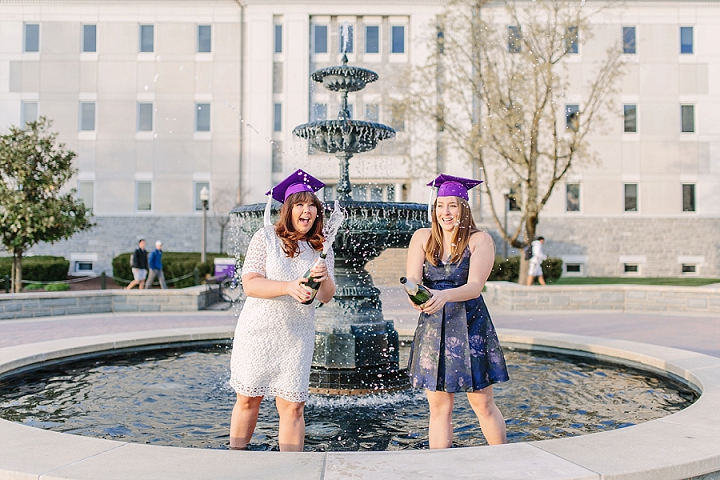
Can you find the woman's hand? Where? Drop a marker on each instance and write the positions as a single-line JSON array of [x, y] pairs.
[[436, 302], [296, 290], [319, 272], [415, 305]]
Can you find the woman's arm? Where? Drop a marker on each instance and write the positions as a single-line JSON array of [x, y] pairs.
[[255, 282], [416, 258], [482, 257], [256, 285]]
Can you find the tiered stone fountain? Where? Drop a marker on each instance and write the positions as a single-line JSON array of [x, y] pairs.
[[356, 348]]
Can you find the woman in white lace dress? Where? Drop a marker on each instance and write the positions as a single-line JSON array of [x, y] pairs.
[[275, 334]]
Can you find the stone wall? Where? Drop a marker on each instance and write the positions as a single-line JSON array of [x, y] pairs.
[[658, 245], [42, 304], [643, 298]]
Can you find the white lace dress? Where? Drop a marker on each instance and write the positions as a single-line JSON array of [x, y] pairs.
[[275, 338]]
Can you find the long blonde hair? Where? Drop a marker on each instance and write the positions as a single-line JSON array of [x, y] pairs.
[[460, 239]]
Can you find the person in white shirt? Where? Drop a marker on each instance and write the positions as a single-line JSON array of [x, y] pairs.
[[535, 266]]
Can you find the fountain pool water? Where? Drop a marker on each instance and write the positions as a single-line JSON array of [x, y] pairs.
[[180, 397]]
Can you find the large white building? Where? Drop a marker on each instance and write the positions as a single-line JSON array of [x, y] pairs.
[[161, 98]]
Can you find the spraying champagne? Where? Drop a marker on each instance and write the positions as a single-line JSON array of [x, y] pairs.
[[419, 294]]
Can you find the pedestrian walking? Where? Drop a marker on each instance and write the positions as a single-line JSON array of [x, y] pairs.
[[535, 264], [139, 265], [156, 267]]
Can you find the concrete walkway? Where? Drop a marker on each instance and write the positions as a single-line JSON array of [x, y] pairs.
[[689, 332]]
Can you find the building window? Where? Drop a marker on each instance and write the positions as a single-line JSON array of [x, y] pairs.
[[687, 113], [631, 268], [320, 43], [319, 112], [145, 117], [630, 118], [359, 193], [631, 192], [277, 157], [372, 39], [629, 45], [688, 197], [572, 117], [143, 196], [397, 117], [686, 40], [89, 38], [571, 40], [204, 38], [573, 268], [87, 116], [572, 198], [398, 39], [277, 77], [197, 188], [278, 38], [29, 112], [514, 39], [32, 37], [86, 193], [346, 36], [147, 40], [372, 112], [202, 117], [689, 268], [513, 200], [277, 117]]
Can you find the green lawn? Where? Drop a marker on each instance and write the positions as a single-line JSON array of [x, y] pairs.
[[679, 282]]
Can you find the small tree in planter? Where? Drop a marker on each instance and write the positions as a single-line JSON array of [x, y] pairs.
[[33, 208]]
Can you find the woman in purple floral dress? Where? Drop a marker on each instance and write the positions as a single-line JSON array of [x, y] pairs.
[[455, 347]]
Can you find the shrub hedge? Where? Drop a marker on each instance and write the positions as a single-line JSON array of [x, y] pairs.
[[175, 264], [508, 269], [39, 268]]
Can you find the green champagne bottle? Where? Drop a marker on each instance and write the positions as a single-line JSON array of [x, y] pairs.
[[311, 285], [417, 293]]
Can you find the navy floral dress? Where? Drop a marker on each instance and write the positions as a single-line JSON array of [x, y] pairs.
[[471, 357]]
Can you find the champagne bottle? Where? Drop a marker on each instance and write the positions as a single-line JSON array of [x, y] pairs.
[[417, 293], [311, 285]]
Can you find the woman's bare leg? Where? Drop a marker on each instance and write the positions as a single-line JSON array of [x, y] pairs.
[[243, 421], [491, 420], [291, 435], [441, 427]]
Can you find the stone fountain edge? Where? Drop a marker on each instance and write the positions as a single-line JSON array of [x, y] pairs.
[[682, 445]]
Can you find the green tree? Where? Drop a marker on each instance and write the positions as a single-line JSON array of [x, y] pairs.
[[34, 207], [495, 89]]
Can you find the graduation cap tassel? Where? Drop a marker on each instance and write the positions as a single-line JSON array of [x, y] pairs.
[[268, 206]]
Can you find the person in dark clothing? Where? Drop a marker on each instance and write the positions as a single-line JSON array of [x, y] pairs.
[[156, 269], [139, 264]]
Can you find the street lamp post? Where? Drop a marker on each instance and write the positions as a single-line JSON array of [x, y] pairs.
[[204, 197], [506, 197]]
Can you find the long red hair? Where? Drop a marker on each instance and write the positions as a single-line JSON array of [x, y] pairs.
[[460, 239], [286, 231]]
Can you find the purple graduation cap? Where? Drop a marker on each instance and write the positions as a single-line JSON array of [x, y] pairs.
[[299, 181], [449, 186]]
